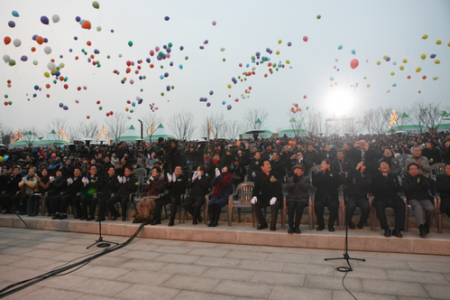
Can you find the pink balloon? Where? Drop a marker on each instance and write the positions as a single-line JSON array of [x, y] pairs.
[[214, 23], [305, 38], [354, 63], [152, 52], [157, 48], [131, 81], [85, 87], [168, 55]]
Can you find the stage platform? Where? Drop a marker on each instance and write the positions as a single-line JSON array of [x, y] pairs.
[[245, 234]]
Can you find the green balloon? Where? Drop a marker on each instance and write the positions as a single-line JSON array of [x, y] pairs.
[[100, 107], [10, 102], [318, 17], [224, 59], [108, 57], [82, 50], [54, 81], [6, 96], [120, 55], [12, 62], [170, 45], [131, 111], [186, 58], [161, 54], [58, 68], [172, 87], [162, 94], [162, 67], [145, 77], [118, 72], [130, 43], [99, 65], [95, 5], [142, 90]]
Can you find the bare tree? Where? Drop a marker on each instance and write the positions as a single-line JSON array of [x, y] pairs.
[[313, 122], [88, 129], [182, 125], [151, 122], [116, 125], [232, 129], [56, 124], [429, 115], [6, 133], [35, 131], [217, 124], [253, 114], [376, 121], [73, 133], [205, 128]]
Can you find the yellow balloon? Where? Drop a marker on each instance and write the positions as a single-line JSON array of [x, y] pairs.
[[337, 59], [280, 41], [9, 85], [402, 68], [378, 63], [425, 36], [127, 109], [423, 56], [437, 61], [229, 86], [288, 61], [384, 57], [435, 78], [418, 69], [278, 52], [54, 71], [438, 42], [368, 85], [405, 61], [392, 73], [448, 44]]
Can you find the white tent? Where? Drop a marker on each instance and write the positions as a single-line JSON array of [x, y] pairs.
[[292, 130], [130, 135], [25, 142], [158, 133], [266, 134], [51, 139]]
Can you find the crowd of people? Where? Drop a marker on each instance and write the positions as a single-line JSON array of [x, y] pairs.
[[186, 172]]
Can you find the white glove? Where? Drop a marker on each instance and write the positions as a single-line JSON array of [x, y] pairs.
[[174, 177], [254, 200], [199, 175], [151, 178], [24, 180], [119, 179], [51, 178], [253, 174], [194, 176], [169, 177], [124, 179], [273, 201], [270, 158], [217, 172], [69, 181]]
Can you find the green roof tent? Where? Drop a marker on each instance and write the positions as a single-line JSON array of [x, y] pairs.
[[51, 139], [27, 139], [292, 130], [416, 128], [130, 135], [159, 132], [266, 134]]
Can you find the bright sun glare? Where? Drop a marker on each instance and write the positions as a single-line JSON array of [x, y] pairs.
[[340, 103]]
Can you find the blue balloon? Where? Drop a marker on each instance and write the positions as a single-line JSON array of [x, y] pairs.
[[394, 85], [208, 104], [57, 73], [181, 67], [5, 158], [65, 107], [148, 60], [166, 18], [45, 40], [78, 19], [34, 37], [353, 51], [24, 58], [75, 38], [140, 101], [161, 76], [122, 81], [140, 77], [15, 13], [181, 48], [133, 104], [34, 95], [201, 47], [61, 56], [70, 50], [223, 102], [81, 22], [11, 24], [171, 64], [112, 30], [331, 78], [61, 105], [36, 87], [165, 46], [44, 20], [166, 74], [340, 47]]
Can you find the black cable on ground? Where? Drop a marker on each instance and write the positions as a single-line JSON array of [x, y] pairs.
[[346, 270], [13, 288]]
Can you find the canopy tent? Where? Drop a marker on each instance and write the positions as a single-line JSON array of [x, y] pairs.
[[159, 132], [259, 126], [130, 135], [27, 140], [51, 139], [293, 130], [415, 129]]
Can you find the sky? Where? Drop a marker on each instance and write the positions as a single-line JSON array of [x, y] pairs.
[[374, 29]]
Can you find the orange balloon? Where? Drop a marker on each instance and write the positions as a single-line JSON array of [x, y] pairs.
[[47, 85], [40, 40], [269, 64], [76, 57], [52, 60], [294, 143], [151, 66], [128, 70], [61, 78], [249, 87], [86, 25], [89, 43], [265, 75], [48, 95], [7, 40], [92, 56], [88, 117], [409, 77], [33, 49], [53, 155], [238, 143], [424, 77]]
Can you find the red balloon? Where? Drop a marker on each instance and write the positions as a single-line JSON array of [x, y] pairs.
[[128, 70], [88, 117], [48, 95], [33, 49], [6, 103], [305, 38], [89, 43], [111, 113], [128, 63], [409, 77], [354, 63], [66, 86], [152, 52], [107, 114], [424, 77], [86, 25], [128, 101], [98, 102], [7, 40], [47, 85], [8, 81], [304, 97], [79, 88], [40, 40]]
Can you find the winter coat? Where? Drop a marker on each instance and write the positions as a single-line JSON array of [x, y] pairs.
[[385, 188], [297, 188], [433, 155], [443, 185], [199, 187], [266, 189], [416, 188], [327, 184], [358, 185], [223, 188], [425, 169]]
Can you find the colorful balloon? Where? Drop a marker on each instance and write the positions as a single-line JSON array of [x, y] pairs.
[[44, 20], [7, 40], [15, 13], [438, 42], [17, 43], [425, 36], [305, 38], [55, 18], [95, 5], [47, 50], [86, 25], [11, 24], [423, 56], [354, 63]]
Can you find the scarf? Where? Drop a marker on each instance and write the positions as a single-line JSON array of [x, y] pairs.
[[216, 162], [264, 176], [226, 178]]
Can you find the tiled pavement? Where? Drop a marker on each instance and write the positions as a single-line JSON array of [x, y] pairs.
[[166, 269]]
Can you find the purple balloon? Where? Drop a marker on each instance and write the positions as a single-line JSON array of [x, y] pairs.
[[61, 105], [158, 57], [70, 50], [164, 56], [208, 104], [171, 63], [122, 81], [65, 107], [166, 18], [24, 58], [258, 54], [112, 30], [165, 46], [211, 92], [140, 101], [181, 48], [44, 20], [257, 63], [11, 24], [168, 88], [61, 56], [148, 60], [388, 58], [34, 95], [205, 42], [45, 40], [166, 74], [432, 55], [201, 47], [228, 106], [289, 44], [78, 19], [169, 50], [75, 38], [34, 37]]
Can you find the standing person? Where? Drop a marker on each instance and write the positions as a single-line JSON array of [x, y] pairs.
[[277, 165], [297, 198], [199, 187], [27, 185], [213, 164], [128, 186], [266, 192], [222, 186], [327, 183], [445, 152], [385, 187], [255, 166], [443, 187], [238, 169], [416, 189], [173, 157], [110, 185], [41, 188], [12, 189], [432, 153], [358, 187], [176, 186], [57, 187]]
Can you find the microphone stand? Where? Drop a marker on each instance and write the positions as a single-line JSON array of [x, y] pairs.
[[101, 243]]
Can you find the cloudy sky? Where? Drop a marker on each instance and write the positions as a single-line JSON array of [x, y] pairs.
[[374, 29]]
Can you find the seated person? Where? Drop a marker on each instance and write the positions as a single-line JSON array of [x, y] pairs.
[[74, 185], [55, 193], [443, 187], [297, 198], [358, 185], [254, 167], [394, 164], [176, 186], [327, 183], [27, 186], [266, 192], [128, 186], [421, 161], [416, 188], [222, 186], [341, 164], [385, 188], [41, 188], [110, 185], [88, 195], [11, 190], [199, 187], [145, 209]]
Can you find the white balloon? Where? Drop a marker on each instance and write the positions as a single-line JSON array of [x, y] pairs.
[[17, 42], [6, 58], [35, 62], [55, 18], [394, 63], [99, 28], [51, 66], [129, 118], [222, 49], [47, 50], [61, 65]]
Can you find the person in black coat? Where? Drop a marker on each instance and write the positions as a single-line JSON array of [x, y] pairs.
[[128, 186], [297, 188], [238, 169], [222, 188], [443, 187], [312, 155], [58, 185], [445, 152], [358, 185], [432, 153], [199, 187], [295, 159], [176, 186], [416, 188], [277, 165], [173, 158], [74, 185], [266, 192], [327, 183], [385, 188], [213, 164], [255, 166], [343, 166], [12, 189], [110, 185]]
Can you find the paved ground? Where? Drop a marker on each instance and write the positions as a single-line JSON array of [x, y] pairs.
[[164, 269]]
